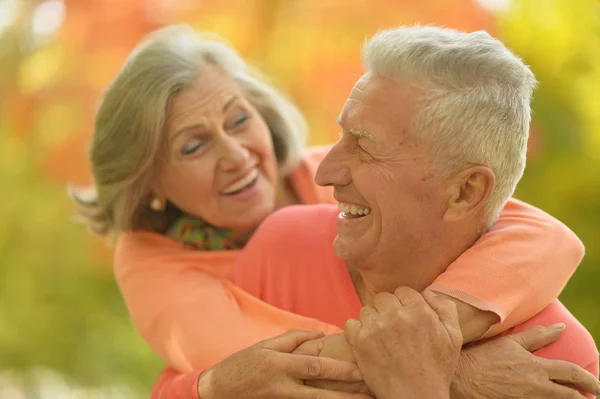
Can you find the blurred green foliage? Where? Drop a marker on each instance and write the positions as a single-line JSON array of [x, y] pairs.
[[561, 41]]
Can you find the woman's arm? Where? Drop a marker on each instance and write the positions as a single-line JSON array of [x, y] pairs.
[[512, 272], [174, 385], [264, 370], [190, 317]]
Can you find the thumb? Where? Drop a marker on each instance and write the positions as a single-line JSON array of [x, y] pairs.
[[351, 330], [538, 337], [290, 340]]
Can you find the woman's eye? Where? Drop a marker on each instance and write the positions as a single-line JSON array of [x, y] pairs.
[[238, 120], [192, 146]]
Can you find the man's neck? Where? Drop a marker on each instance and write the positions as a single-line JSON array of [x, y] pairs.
[[418, 275], [365, 288]]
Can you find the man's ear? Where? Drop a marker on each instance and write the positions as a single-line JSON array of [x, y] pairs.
[[469, 192]]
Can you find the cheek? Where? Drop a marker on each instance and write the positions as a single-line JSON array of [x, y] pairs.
[[261, 140], [261, 143], [189, 186]]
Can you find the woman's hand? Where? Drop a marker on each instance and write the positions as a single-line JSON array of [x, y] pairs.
[[269, 370], [505, 368]]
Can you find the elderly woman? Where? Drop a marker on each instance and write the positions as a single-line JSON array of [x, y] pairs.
[[192, 150]]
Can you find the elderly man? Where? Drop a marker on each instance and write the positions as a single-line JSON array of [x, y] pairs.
[[434, 142]]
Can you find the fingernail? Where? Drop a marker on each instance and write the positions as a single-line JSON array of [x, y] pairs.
[[357, 375], [558, 327], [597, 387]]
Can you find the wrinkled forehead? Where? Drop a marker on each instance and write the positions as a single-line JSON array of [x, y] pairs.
[[208, 93], [380, 105]]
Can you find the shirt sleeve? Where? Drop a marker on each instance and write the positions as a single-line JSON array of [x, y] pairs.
[[174, 385], [190, 317], [517, 268]]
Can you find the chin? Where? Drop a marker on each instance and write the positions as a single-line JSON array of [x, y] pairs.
[[342, 249]]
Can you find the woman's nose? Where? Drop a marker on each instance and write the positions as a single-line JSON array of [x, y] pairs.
[[233, 154]]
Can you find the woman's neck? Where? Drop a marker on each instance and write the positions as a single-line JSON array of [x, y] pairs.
[[287, 195]]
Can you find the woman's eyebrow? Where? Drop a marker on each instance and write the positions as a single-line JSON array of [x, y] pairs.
[[229, 102]]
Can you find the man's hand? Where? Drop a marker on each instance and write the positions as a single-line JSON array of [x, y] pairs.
[[335, 346], [505, 368], [407, 345], [268, 370]]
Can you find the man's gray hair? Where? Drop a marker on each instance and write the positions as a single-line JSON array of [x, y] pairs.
[[476, 104]]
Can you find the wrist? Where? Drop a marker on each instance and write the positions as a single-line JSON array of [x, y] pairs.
[[205, 385]]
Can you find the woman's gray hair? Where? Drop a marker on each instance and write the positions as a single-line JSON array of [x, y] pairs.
[[476, 106], [128, 136]]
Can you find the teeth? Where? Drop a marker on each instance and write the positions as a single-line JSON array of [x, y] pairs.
[[353, 209], [238, 185]]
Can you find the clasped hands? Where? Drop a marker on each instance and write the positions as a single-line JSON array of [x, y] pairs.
[[409, 345], [406, 345]]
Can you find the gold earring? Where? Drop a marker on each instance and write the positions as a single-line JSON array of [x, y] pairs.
[[157, 205]]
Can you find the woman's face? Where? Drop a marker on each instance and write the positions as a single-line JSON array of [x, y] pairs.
[[220, 164]]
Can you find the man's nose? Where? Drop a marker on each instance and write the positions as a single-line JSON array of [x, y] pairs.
[[335, 168]]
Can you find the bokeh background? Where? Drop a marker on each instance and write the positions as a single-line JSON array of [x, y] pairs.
[[64, 330]]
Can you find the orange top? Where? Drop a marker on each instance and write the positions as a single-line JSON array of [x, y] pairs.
[[185, 306], [304, 276]]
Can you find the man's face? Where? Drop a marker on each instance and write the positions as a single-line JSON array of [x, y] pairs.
[[378, 168]]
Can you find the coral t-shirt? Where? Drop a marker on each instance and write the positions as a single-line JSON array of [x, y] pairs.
[[294, 267], [515, 270]]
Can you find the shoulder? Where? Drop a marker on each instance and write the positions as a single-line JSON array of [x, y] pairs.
[[133, 247], [143, 253], [286, 243], [298, 223]]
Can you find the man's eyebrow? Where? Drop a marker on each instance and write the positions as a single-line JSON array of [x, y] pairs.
[[357, 132]]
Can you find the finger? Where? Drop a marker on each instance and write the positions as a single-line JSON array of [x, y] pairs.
[[407, 296], [312, 393], [562, 392], [569, 373], [322, 368], [290, 340], [351, 330], [538, 337], [310, 348], [386, 301], [367, 315], [445, 309]]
